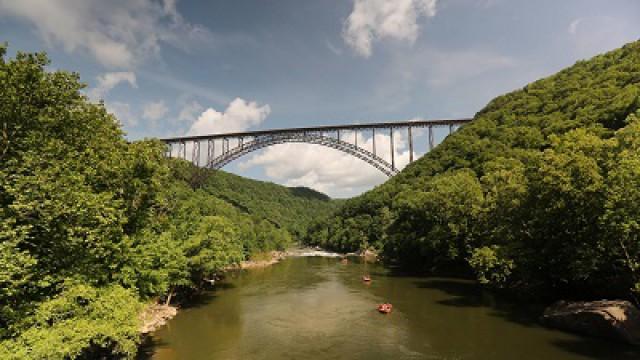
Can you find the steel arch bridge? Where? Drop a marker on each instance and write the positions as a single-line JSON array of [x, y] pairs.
[[232, 146]]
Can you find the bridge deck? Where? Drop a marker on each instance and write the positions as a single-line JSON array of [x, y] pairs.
[[330, 128]]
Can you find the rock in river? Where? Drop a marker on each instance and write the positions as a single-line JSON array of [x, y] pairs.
[[616, 319]]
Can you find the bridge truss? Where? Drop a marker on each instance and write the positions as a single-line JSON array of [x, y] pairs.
[[217, 150]]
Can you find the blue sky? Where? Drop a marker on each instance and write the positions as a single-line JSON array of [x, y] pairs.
[[173, 67]]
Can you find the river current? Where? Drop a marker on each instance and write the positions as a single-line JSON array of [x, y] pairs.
[[319, 308]]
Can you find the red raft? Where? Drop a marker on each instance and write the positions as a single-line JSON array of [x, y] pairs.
[[385, 308], [366, 278]]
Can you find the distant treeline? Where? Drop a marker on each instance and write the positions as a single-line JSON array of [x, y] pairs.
[[92, 226], [540, 194]]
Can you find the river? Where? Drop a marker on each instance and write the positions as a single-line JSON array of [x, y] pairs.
[[318, 308]]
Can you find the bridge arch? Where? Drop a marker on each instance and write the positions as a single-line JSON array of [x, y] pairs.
[[317, 139]]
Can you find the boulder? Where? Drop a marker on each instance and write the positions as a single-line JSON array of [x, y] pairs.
[[613, 319], [155, 316]]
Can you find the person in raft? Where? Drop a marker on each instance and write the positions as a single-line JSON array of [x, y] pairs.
[[385, 308]]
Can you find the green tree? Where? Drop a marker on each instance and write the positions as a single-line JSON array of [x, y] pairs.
[[622, 207], [212, 247], [441, 219], [82, 322]]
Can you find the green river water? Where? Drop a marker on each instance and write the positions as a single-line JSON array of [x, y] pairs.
[[317, 308]]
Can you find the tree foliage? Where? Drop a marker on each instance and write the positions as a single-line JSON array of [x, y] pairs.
[[81, 315], [91, 224]]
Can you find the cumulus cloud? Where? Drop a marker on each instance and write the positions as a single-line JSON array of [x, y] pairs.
[[118, 33], [154, 110], [330, 171], [108, 81], [240, 115], [372, 20]]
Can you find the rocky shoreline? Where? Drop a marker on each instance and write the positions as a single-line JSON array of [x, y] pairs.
[[613, 319], [275, 257], [155, 316]]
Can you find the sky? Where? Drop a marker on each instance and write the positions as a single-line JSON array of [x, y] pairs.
[[174, 67]]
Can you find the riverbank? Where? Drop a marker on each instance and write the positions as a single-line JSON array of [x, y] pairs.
[[156, 315]]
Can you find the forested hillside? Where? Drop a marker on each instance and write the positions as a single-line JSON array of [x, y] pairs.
[[92, 226], [290, 208], [540, 193]]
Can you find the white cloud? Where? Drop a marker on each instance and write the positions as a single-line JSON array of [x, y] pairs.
[[488, 3], [594, 35], [573, 27], [407, 77], [240, 115], [373, 20], [154, 110], [330, 171], [334, 49], [118, 33], [122, 111], [190, 111], [108, 81]]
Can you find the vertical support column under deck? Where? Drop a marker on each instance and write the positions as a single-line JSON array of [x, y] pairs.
[[338, 135], [198, 154], [393, 157], [450, 129], [355, 137], [373, 137], [209, 152], [410, 144], [431, 138], [195, 153], [184, 150]]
